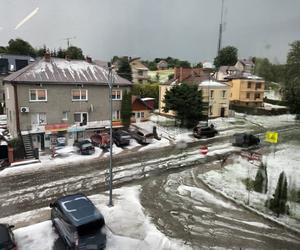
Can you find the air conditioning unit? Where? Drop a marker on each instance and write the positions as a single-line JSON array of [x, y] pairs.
[[24, 109]]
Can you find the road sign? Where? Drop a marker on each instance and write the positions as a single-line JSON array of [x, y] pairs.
[[271, 137], [203, 150]]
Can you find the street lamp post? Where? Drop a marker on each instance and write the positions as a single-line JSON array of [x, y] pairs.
[[110, 84]]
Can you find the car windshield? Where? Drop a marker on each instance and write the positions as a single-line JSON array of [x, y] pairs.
[[87, 145], [91, 227]]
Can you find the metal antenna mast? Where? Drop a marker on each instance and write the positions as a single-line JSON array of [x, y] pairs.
[[221, 28], [68, 40]]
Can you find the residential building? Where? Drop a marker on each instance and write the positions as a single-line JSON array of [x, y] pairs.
[[216, 96], [245, 65], [225, 71], [139, 71], [162, 64], [55, 96], [10, 63], [140, 109], [246, 89]]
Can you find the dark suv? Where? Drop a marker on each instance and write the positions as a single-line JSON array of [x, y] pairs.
[[78, 222], [7, 240], [121, 137], [245, 140], [201, 131], [84, 147]]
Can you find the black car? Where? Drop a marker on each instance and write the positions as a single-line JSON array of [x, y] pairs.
[[78, 222], [84, 147], [201, 131], [121, 137], [7, 240], [245, 140]]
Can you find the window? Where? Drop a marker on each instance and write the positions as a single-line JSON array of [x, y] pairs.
[[65, 115], [248, 96], [81, 117], [116, 115], [142, 114], [38, 119], [116, 95], [212, 94], [249, 85], [140, 72], [37, 95], [79, 95], [223, 93], [258, 85], [257, 95]]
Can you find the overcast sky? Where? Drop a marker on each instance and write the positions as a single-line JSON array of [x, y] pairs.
[[186, 29]]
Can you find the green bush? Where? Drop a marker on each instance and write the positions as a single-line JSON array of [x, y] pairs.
[[249, 184]]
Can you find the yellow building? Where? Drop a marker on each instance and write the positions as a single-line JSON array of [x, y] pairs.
[[162, 91], [246, 90], [216, 94]]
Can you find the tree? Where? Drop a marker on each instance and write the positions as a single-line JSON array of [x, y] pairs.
[[278, 203], [20, 47], [186, 101], [74, 52], [146, 90], [126, 108], [292, 88], [261, 180], [227, 56], [124, 69]]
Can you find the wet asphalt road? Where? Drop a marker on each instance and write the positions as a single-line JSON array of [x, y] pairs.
[[182, 207]]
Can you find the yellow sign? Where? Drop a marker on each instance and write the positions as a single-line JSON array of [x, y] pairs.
[[271, 137]]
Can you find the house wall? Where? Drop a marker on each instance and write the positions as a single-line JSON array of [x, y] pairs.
[[217, 101], [11, 109], [241, 94], [141, 119], [162, 91], [59, 100]]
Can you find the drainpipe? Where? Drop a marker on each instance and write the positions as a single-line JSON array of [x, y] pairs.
[[17, 108]]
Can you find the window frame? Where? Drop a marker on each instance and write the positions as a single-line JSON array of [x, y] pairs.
[[115, 98], [80, 95], [38, 114], [36, 94], [116, 115], [81, 116]]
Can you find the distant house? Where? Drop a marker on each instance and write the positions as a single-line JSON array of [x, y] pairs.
[[140, 109], [58, 97], [246, 89], [10, 63], [215, 94], [216, 97], [162, 64], [139, 71], [225, 71], [245, 65]]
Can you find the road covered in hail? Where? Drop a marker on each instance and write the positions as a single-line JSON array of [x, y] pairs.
[[182, 207]]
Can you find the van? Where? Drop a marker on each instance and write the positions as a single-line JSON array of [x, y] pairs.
[[142, 136], [78, 222]]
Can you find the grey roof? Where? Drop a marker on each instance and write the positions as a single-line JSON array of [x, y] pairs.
[[244, 75], [224, 69], [246, 62], [62, 71]]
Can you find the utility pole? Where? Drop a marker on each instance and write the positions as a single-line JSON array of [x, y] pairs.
[[110, 84], [68, 40], [220, 29]]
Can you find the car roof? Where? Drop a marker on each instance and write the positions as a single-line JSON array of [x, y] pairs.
[[4, 235], [79, 209]]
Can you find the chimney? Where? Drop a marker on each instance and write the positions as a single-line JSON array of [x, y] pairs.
[[47, 56], [88, 59]]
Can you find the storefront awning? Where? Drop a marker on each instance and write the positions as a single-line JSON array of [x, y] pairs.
[[56, 127]]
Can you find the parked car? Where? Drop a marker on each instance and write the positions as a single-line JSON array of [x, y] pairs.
[[3, 121], [121, 137], [84, 147], [78, 222], [101, 140], [201, 131], [245, 140], [7, 239], [142, 136]]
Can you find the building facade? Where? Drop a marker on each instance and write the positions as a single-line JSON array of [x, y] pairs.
[[57, 96], [139, 71], [246, 90]]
